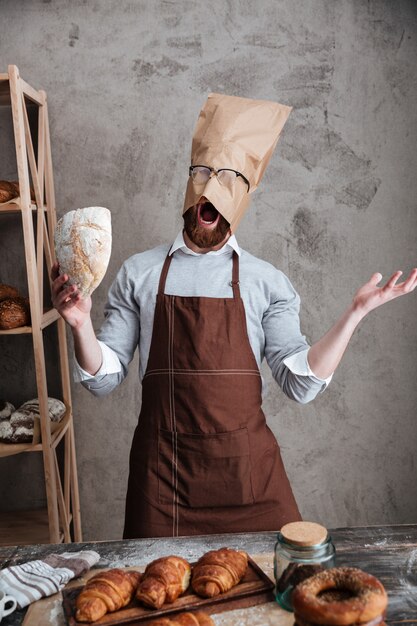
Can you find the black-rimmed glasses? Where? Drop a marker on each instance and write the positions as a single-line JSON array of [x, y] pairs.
[[226, 176]]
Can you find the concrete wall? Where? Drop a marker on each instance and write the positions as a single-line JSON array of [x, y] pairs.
[[125, 82]]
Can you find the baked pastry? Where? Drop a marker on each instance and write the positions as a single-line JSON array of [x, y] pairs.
[[104, 593], [9, 190], [83, 246], [6, 409], [19, 426], [218, 571], [340, 596], [14, 312], [7, 291], [56, 408], [164, 580], [184, 619]]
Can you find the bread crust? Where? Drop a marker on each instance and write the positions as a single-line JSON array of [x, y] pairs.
[[14, 312], [7, 291], [106, 592], [163, 581], [83, 246], [184, 619], [218, 571]]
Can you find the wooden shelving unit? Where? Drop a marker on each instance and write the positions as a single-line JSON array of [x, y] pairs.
[[62, 515]]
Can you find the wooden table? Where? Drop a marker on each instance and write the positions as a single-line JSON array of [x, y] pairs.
[[388, 552]]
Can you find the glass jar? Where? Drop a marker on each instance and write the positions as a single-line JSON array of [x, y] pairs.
[[302, 550]]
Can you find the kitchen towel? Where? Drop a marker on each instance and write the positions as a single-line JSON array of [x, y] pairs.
[[36, 579]]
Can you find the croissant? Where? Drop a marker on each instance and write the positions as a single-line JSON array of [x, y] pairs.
[[163, 581], [106, 592], [184, 619], [218, 571]]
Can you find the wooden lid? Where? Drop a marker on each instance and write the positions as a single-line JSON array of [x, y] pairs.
[[304, 533]]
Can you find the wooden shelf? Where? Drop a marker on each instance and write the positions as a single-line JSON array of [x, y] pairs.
[[34, 96], [48, 317], [19, 528], [9, 449], [14, 206], [34, 168]]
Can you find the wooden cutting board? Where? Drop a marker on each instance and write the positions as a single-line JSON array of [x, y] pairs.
[[255, 588]]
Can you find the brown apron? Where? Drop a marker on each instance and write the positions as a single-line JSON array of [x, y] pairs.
[[203, 459]]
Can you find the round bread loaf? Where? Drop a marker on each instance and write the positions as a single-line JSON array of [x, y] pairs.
[[83, 246], [6, 432], [8, 190], [14, 312], [6, 409], [7, 291], [19, 427], [56, 408]]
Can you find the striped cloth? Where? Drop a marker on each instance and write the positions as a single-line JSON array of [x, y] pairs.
[[37, 579]]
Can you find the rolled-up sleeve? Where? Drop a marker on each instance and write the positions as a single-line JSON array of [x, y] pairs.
[[120, 332], [283, 339]]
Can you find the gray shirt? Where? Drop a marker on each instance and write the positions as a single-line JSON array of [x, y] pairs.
[[271, 307]]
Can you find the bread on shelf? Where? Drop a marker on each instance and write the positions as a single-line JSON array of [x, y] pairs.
[[8, 291], [14, 312], [9, 190], [19, 426]]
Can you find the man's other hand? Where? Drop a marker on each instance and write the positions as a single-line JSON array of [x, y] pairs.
[[67, 300]]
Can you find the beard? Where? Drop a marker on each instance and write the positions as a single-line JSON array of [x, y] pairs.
[[201, 236]]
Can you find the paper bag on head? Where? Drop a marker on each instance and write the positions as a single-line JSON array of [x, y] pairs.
[[236, 133]]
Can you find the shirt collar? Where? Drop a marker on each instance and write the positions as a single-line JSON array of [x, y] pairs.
[[179, 244]]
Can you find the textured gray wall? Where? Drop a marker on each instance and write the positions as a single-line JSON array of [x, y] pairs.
[[125, 82]]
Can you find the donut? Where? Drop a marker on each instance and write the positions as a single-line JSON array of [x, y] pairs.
[[340, 596]]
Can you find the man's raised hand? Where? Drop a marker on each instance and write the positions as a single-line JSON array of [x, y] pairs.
[[370, 296]]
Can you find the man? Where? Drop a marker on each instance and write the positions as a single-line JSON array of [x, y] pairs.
[[204, 314]]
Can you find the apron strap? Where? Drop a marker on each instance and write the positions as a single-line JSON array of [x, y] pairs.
[[234, 283], [164, 274]]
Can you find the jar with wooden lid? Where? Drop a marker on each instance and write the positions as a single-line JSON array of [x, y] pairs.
[[302, 550]]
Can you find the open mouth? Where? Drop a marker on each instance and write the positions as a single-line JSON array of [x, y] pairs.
[[207, 215]]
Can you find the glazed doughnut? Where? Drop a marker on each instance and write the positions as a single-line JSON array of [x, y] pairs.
[[341, 596]]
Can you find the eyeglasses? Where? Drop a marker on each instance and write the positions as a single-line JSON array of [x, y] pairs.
[[201, 174]]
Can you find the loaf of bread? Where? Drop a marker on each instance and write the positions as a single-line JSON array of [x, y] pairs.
[[164, 580], [218, 571], [83, 246], [184, 619], [14, 312], [106, 592], [6, 409], [56, 408], [7, 291], [9, 190], [19, 426]]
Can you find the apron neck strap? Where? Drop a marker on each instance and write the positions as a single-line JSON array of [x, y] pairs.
[[234, 283], [235, 275], [164, 273]]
